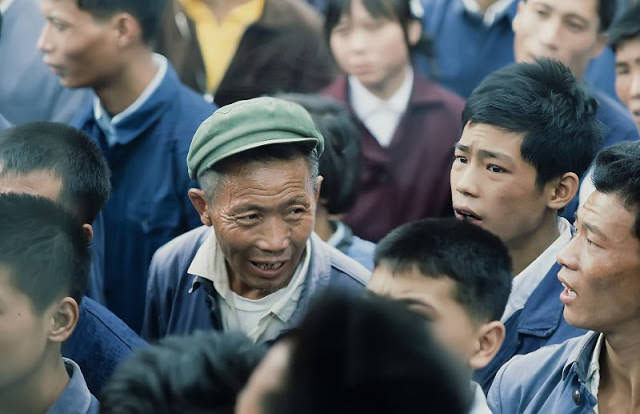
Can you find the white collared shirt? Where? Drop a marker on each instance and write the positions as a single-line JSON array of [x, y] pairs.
[[107, 124], [261, 319], [492, 13], [381, 117], [479, 404], [528, 279], [592, 382]]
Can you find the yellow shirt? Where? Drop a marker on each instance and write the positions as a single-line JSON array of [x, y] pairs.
[[219, 39]]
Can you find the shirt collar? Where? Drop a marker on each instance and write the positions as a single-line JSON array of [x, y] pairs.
[[107, 124], [4, 5], [587, 349], [493, 12], [338, 234], [531, 276], [76, 397], [365, 103]]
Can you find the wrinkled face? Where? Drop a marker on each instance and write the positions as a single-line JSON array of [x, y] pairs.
[[23, 335], [601, 267], [81, 50], [493, 187], [41, 183], [374, 50], [433, 298], [566, 30], [628, 76], [263, 214]]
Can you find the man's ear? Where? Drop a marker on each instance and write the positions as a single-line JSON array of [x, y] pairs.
[[318, 186], [87, 229], [560, 191], [489, 341], [199, 200], [414, 31], [64, 317], [127, 28], [516, 19]]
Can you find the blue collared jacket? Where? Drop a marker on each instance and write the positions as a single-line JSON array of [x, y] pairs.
[[550, 380], [179, 303], [467, 51], [539, 323], [358, 249], [99, 343], [76, 397], [149, 204]]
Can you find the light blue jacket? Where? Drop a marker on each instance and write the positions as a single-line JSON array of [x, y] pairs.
[[550, 380]]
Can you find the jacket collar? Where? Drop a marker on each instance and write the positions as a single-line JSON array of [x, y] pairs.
[[509, 13], [76, 397], [579, 360]]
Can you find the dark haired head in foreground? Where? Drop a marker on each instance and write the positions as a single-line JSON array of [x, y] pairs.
[[357, 355], [196, 374]]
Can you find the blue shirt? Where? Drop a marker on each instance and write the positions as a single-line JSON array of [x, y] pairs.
[[358, 249], [149, 204], [76, 398], [467, 50], [99, 343]]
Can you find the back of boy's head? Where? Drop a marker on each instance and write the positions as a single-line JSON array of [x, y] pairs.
[[340, 161], [355, 354], [67, 154], [148, 13], [626, 27], [197, 374], [549, 106], [43, 249], [474, 259]]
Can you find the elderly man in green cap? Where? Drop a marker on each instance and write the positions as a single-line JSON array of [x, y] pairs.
[[255, 264]]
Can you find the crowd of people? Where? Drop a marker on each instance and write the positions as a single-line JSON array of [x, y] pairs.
[[329, 206]]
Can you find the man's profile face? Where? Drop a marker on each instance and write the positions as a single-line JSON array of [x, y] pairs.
[[263, 214], [78, 48], [23, 335], [493, 187], [628, 76], [601, 267], [567, 30], [434, 299]]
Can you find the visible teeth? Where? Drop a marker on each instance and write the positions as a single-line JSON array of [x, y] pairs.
[[269, 266], [570, 292]]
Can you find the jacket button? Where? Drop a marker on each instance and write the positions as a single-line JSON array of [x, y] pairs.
[[577, 397]]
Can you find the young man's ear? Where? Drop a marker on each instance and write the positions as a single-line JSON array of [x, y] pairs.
[[64, 318], [489, 341], [199, 200], [414, 32], [561, 190], [127, 29], [87, 229]]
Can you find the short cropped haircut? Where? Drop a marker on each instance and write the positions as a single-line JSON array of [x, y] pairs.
[[43, 248], [340, 161], [67, 154], [148, 13], [197, 374], [549, 106], [475, 260], [625, 28], [354, 354], [617, 171], [210, 179]]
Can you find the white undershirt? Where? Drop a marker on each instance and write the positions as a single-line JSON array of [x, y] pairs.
[[380, 116], [4, 5], [490, 15]]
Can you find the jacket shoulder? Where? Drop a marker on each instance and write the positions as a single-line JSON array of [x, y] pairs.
[[179, 252], [345, 268]]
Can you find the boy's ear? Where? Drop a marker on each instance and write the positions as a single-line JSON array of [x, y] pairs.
[[489, 341], [561, 190], [64, 318]]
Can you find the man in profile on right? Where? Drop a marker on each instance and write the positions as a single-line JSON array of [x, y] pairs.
[[599, 371]]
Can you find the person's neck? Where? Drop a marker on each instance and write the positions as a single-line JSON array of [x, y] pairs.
[[323, 226], [221, 8], [485, 4], [119, 92], [390, 86], [526, 249], [38, 391], [619, 389]]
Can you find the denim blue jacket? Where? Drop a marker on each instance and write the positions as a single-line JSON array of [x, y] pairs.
[[539, 323], [76, 397], [550, 380], [180, 303]]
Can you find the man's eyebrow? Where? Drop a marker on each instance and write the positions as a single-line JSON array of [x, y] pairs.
[[493, 154], [463, 148]]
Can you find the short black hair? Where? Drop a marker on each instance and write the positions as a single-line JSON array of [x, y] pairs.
[[43, 248], [354, 354], [617, 171], [625, 28], [201, 373], [402, 11], [474, 259], [545, 102], [68, 154], [147, 12], [340, 161]]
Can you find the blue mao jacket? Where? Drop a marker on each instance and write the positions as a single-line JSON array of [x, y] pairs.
[[550, 380], [149, 204], [76, 397], [179, 303], [539, 323], [360, 250]]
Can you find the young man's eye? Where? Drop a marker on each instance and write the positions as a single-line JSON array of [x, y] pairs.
[[495, 168], [460, 158]]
